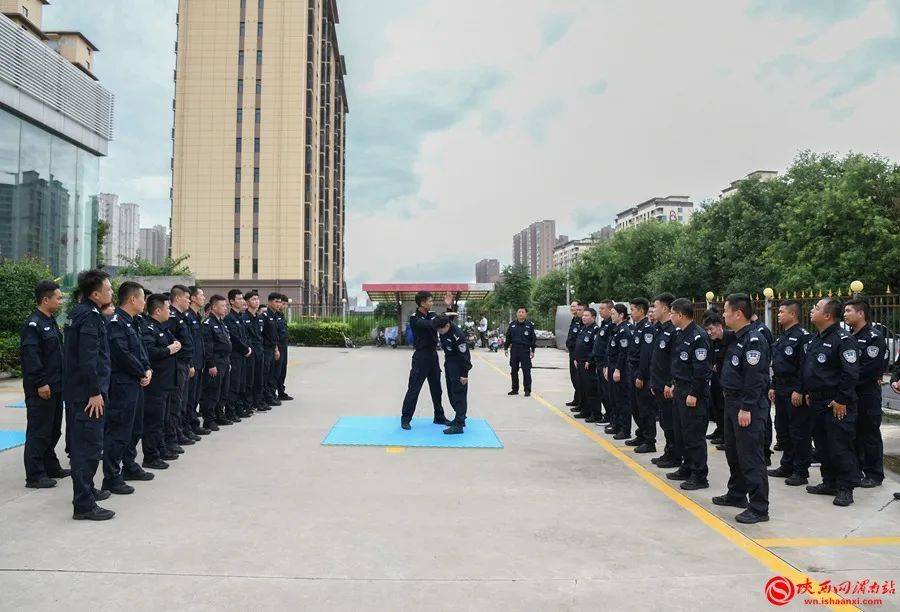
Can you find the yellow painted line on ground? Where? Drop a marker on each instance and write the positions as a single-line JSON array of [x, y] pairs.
[[395, 449], [765, 556], [813, 542]]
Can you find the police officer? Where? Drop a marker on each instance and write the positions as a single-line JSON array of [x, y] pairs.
[[519, 347], [271, 352], [217, 353], [235, 408], [617, 373], [745, 383], [179, 327], [601, 346], [282, 360], [85, 392], [873, 362], [691, 373], [585, 365], [767, 334], [254, 321], [162, 349], [720, 339], [131, 470], [42, 375], [194, 317], [576, 308], [457, 364], [130, 371], [640, 349], [793, 418], [425, 364], [661, 385], [830, 376]]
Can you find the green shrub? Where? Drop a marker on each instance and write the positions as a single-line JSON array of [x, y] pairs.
[[318, 334], [10, 358], [17, 281]]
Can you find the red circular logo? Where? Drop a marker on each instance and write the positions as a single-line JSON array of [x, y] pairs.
[[780, 590]]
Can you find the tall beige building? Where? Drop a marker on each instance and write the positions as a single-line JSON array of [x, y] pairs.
[[259, 140], [533, 247]]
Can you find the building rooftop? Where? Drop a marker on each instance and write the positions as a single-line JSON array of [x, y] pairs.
[[72, 33], [406, 292]]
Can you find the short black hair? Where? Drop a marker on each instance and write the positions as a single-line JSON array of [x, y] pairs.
[[439, 321], [792, 305], [621, 309], [44, 289], [251, 293], [177, 290], [683, 306], [860, 305], [207, 306], [525, 308], [665, 298], [127, 289], [155, 302], [607, 302], [421, 296], [195, 290], [712, 318], [274, 296], [740, 302], [90, 281], [642, 303], [579, 302], [833, 308], [592, 311], [233, 294], [216, 298]]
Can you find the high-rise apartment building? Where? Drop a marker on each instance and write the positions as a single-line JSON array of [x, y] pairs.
[[670, 208], [533, 247], [154, 244], [129, 231], [123, 229], [259, 139], [487, 271]]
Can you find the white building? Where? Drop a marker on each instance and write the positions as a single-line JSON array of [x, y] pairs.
[[154, 244], [759, 175], [129, 231], [567, 253], [108, 210], [670, 208]]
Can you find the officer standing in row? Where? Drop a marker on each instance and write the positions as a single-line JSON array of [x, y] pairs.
[[830, 376], [873, 362], [257, 322], [793, 418], [86, 389], [719, 341], [281, 324], [42, 369], [583, 359], [131, 470], [576, 308], [617, 373], [240, 353], [179, 304], [216, 369], [194, 317], [661, 379], [162, 348], [272, 355], [519, 347], [691, 373], [457, 364], [745, 383], [601, 347], [640, 351]]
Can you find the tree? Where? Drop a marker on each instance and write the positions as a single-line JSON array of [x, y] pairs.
[[102, 232], [169, 267], [386, 310], [17, 281], [514, 288], [549, 291]]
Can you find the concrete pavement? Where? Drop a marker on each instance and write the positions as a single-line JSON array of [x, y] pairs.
[[261, 516]]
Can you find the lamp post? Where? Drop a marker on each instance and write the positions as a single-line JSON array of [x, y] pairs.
[[343, 310], [769, 294], [710, 296], [856, 288]]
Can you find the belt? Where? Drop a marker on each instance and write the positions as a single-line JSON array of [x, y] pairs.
[[820, 394]]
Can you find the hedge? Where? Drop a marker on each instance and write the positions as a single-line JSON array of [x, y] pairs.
[[318, 334], [10, 358]]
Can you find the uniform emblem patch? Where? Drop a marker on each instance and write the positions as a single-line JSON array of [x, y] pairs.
[[48, 329], [662, 344], [602, 332], [873, 351], [648, 338], [850, 356], [463, 347], [700, 354], [789, 350], [623, 342], [734, 360], [753, 357], [32, 324], [822, 358], [683, 356]]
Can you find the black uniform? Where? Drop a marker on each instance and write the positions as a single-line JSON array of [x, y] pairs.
[[270, 365], [217, 353], [254, 323], [191, 420], [87, 370], [643, 408], [831, 373], [574, 330], [157, 339], [873, 361], [718, 348], [583, 356], [129, 364], [660, 378], [180, 329], [691, 372], [767, 334], [281, 364], [425, 366], [239, 347], [129, 455], [521, 342], [617, 359], [457, 363], [601, 347], [745, 382], [42, 364], [792, 423]]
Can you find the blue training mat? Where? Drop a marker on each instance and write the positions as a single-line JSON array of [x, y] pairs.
[[18, 404], [386, 431], [11, 439]]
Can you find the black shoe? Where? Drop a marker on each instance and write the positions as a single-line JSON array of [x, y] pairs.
[[263, 408], [678, 475], [577, 408], [155, 464], [202, 431], [604, 419], [284, 397], [453, 429], [581, 415], [170, 456], [869, 483], [209, 426], [721, 447], [442, 421], [592, 419], [187, 442], [778, 447], [274, 402], [715, 434], [174, 448], [633, 442], [844, 498], [101, 495], [194, 437], [234, 418], [717, 442], [137, 474], [748, 517], [668, 464], [405, 426], [58, 473], [693, 485], [724, 500], [609, 429], [222, 421], [796, 480], [779, 472], [621, 436], [43, 483], [646, 448], [572, 403], [821, 489], [528, 394], [513, 393], [896, 495], [94, 514], [120, 489]]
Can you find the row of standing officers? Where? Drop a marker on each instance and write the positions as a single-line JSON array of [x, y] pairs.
[[161, 370]]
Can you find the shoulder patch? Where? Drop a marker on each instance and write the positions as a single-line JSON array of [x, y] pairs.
[[849, 355], [648, 338], [873, 351], [753, 357], [463, 347], [32, 324], [700, 354]]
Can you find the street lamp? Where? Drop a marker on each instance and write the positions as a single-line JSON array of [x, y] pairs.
[[856, 287], [343, 310]]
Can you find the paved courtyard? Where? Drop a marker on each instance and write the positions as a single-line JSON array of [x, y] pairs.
[[261, 516]]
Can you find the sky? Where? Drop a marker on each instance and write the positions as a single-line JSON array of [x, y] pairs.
[[473, 118]]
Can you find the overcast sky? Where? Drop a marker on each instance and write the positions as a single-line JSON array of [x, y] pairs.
[[470, 119]]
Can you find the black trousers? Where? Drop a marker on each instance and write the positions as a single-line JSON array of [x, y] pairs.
[[42, 433], [744, 453], [456, 391], [129, 456], [716, 404], [282, 367], [520, 357], [603, 387], [573, 375], [191, 419], [425, 366], [256, 383], [665, 408], [690, 432], [247, 382], [621, 401], [269, 363], [235, 384], [835, 441], [869, 445], [154, 414], [645, 417], [86, 451], [588, 391], [118, 427], [177, 400], [800, 430], [784, 411]]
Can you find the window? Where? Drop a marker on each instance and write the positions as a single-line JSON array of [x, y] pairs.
[[255, 205], [259, 28], [261, 2], [258, 86], [259, 57], [256, 175], [242, 30], [237, 235], [240, 58], [256, 266], [255, 236], [237, 175], [237, 266], [256, 145], [237, 205], [238, 145], [240, 86], [258, 115]]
